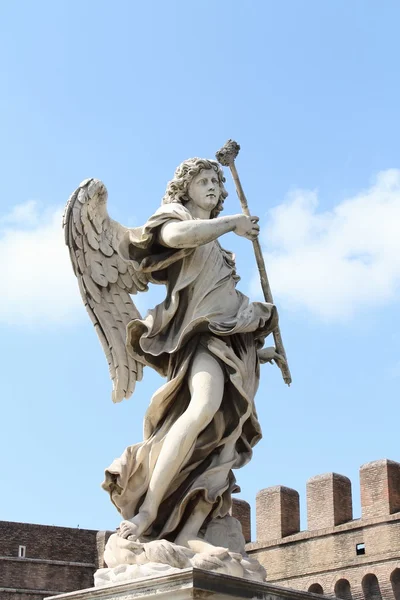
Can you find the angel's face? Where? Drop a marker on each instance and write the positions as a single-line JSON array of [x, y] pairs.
[[204, 190]]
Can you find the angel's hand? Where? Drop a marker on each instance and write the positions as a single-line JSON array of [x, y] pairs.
[[270, 355], [247, 227]]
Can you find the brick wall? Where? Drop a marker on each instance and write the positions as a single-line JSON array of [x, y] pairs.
[[325, 556], [241, 512], [57, 559]]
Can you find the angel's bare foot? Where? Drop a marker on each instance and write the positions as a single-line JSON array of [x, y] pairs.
[[136, 526], [126, 529], [199, 545]]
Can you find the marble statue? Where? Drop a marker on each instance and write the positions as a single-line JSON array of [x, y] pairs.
[[206, 338]]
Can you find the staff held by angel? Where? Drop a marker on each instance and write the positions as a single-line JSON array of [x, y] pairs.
[[206, 338]]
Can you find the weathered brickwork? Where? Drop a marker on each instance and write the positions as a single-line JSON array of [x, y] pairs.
[[352, 559], [48, 542], [380, 488], [241, 512], [56, 559], [278, 512], [328, 501]]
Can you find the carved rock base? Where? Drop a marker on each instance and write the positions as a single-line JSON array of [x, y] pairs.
[[130, 560], [221, 549]]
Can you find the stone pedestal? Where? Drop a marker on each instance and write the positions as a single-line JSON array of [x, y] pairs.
[[188, 584]]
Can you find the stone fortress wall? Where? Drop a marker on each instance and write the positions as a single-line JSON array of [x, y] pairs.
[[40, 560], [336, 555]]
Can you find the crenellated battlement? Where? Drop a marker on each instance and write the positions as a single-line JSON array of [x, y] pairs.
[[335, 555], [329, 501], [380, 488], [277, 512]]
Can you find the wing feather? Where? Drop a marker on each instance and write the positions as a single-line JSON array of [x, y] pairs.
[[126, 278], [80, 259], [105, 279], [105, 247], [76, 219]]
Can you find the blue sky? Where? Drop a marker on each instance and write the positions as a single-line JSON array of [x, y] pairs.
[[124, 92]]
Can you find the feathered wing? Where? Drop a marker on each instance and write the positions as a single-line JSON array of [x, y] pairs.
[[105, 279]]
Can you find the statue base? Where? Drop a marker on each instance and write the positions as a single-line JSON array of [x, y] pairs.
[[222, 550], [188, 584]]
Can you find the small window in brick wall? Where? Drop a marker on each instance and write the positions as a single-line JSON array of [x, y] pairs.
[[21, 551], [360, 549]]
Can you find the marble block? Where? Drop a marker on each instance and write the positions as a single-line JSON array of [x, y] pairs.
[[188, 584]]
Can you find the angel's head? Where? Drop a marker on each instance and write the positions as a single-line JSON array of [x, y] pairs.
[[178, 188]]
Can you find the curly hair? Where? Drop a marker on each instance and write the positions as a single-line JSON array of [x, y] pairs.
[[177, 188]]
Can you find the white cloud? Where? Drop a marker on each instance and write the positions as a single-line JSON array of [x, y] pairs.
[[25, 214], [39, 287], [334, 263]]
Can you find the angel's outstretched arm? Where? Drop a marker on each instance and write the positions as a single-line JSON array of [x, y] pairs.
[[189, 234]]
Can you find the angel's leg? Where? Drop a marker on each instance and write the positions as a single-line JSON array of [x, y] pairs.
[[206, 385], [188, 535]]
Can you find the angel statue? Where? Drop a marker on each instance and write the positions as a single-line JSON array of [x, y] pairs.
[[206, 338]]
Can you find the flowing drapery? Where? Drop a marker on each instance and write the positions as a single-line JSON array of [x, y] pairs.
[[202, 307]]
